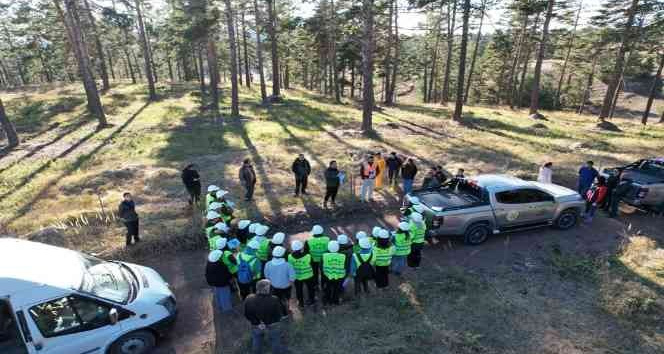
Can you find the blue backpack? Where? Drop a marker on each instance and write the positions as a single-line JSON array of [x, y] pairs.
[[244, 273]]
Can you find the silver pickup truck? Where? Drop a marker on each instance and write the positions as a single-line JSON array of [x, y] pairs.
[[647, 182], [490, 204]]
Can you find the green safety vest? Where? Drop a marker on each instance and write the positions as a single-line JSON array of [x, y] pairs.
[[302, 266], [251, 259], [365, 257], [418, 232], [334, 265], [263, 252], [232, 267], [209, 231], [209, 199], [318, 246], [383, 256], [212, 242], [401, 245]]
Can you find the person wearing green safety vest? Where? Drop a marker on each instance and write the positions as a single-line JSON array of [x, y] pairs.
[[249, 269], [358, 236], [263, 252], [229, 258], [402, 245], [383, 252], [334, 272], [226, 207], [241, 230], [316, 246], [218, 231], [304, 273], [210, 197], [362, 266], [277, 240], [418, 230], [211, 219]]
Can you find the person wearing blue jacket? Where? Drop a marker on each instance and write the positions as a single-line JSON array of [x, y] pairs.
[[587, 175]]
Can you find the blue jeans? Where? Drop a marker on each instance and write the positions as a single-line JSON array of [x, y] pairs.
[[398, 262], [274, 335], [407, 186], [223, 297]]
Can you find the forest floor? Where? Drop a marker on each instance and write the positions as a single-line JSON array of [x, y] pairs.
[[63, 183]]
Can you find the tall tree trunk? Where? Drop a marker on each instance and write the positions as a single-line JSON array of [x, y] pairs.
[[352, 80], [247, 69], [170, 68], [614, 102], [235, 105], [425, 86], [397, 54], [458, 108], [653, 90], [110, 63], [450, 47], [152, 63], [567, 55], [333, 54], [589, 84], [620, 62], [272, 33], [213, 70], [515, 62], [534, 97], [201, 71], [129, 66], [99, 48], [475, 50], [8, 127], [137, 66], [72, 23], [516, 97], [661, 119], [434, 59], [239, 51], [367, 65], [146, 52], [388, 53], [259, 51]]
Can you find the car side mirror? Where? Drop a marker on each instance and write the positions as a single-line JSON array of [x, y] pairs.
[[113, 316]]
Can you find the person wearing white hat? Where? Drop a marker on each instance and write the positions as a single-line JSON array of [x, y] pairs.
[[362, 266], [211, 219], [263, 252], [383, 252], [334, 272], [219, 230], [358, 236], [281, 274], [278, 240], [304, 273], [219, 277], [241, 231], [414, 206], [345, 247], [211, 197], [249, 269], [402, 247], [418, 230], [225, 207], [316, 245]]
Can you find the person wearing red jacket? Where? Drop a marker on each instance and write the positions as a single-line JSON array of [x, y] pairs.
[[595, 196]]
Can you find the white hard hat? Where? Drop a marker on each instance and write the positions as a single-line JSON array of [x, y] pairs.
[[278, 252], [253, 244], [261, 230], [316, 230], [215, 255], [212, 188], [297, 245], [242, 224], [333, 246], [342, 239], [212, 215], [414, 200], [375, 231], [221, 226], [383, 234], [221, 243], [360, 235], [278, 238], [221, 193], [215, 206], [403, 226], [253, 227], [417, 217], [418, 208], [365, 243]]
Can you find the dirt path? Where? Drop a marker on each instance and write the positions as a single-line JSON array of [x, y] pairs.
[[197, 327]]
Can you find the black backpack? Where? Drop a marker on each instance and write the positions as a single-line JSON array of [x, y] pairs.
[[364, 270]]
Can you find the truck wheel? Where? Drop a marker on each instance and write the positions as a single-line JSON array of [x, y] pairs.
[[567, 219], [476, 234], [139, 342]]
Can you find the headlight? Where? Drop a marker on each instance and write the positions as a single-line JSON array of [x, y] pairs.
[[169, 304]]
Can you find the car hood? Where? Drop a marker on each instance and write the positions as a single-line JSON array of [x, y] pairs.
[[559, 192], [152, 286]]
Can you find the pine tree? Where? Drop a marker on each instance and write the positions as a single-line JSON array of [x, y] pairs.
[[367, 65], [458, 108], [8, 127], [535, 93]]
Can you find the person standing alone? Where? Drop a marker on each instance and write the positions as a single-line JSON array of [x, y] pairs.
[[408, 172], [368, 172], [545, 173], [128, 215], [192, 182], [301, 169], [332, 182], [247, 177]]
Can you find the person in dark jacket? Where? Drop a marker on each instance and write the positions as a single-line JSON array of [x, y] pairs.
[[247, 178], [619, 192], [301, 169], [128, 215], [393, 165], [611, 184], [192, 182], [408, 172], [264, 312], [332, 182], [440, 175], [430, 180], [219, 277]]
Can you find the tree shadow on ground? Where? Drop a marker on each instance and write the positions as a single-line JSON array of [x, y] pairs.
[[34, 116], [433, 112]]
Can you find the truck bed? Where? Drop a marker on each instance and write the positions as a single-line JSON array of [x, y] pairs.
[[447, 199]]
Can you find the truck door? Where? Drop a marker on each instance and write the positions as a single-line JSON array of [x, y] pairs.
[[12, 340], [71, 325], [523, 207]]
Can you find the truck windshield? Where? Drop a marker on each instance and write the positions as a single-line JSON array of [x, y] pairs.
[[653, 167], [105, 280]]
